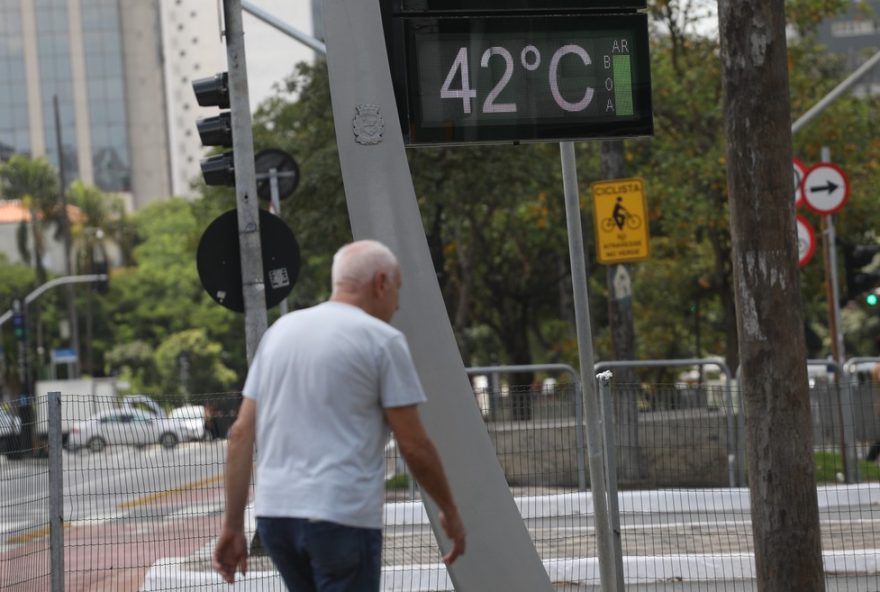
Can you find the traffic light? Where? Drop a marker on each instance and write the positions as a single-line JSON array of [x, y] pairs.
[[19, 327], [216, 131], [859, 279]]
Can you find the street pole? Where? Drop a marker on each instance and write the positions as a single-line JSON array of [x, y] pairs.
[[835, 93], [835, 328], [595, 449], [65, 226], [316, 44], [73, 279], [253, 289], [25, 412], [830, 253]]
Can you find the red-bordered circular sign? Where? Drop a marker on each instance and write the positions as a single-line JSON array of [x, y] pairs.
[[806, 238], [800, 171], [825, 188]]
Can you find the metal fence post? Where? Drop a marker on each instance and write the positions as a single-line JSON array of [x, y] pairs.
[[579, 435], [56, 497], [847, 421], [851, 459], [611, 475]]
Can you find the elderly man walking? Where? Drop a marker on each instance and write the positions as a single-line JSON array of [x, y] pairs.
[[324, 387]]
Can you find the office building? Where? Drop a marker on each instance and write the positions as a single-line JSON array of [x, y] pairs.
[[855, 35], [121, 71]]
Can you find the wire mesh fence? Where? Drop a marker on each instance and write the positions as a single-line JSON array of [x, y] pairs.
[[143, 498]]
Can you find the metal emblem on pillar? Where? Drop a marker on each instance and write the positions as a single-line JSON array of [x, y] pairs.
[[368, 125]]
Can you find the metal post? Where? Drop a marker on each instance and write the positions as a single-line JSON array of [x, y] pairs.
[[611, 471], [580, 435], [65, 228], [248, 209], [585, 356], [294, 33], [494, 396], [56, 497], [276, 207], [75, 279], [831, 263], [844, 399], [740, 459], [834, 94]]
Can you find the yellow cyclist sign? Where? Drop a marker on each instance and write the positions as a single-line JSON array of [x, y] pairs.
[[620, 220]]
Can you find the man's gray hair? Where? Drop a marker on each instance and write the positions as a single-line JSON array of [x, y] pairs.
[[356, 263]]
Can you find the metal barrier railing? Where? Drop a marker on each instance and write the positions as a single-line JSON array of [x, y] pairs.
[[735, 445], [494, 371], [66, 515]]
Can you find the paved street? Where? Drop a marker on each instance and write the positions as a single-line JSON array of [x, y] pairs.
[[127, 508]]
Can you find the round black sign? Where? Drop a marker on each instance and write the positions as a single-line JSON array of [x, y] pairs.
[[219, 260], [286, 170]]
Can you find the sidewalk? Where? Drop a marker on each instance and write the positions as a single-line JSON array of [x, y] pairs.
[[726, 560]]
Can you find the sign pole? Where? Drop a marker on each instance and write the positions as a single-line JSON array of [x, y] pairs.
[[850, 463], [831, 270], [595, 449], [253, 288]]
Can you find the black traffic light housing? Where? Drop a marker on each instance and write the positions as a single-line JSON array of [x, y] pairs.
[[856, 258], [213, 91]]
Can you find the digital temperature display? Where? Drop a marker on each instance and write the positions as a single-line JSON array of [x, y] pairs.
[[523, 78]]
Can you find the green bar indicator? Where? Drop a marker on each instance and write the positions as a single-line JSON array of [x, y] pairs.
[[623, 97]]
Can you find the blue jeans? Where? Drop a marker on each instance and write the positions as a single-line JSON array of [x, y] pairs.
[[319, 556]]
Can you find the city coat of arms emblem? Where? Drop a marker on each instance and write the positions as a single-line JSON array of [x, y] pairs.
[[368, 125]]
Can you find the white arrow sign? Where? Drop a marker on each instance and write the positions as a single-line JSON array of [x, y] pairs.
[[825, 188]]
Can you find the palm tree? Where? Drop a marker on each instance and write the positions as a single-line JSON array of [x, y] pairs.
[[101, 227], [34, 182], [102, 223]]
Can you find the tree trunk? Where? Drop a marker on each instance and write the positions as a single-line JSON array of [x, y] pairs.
[[623, 342], [785, 517]]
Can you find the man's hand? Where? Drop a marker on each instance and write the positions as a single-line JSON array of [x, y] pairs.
[[230, 553], [454, 529]]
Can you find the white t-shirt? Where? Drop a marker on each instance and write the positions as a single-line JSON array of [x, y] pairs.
[[321, 378]]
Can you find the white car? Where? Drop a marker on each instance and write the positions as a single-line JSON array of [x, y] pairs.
[[10, 429], [191, 421], [124, 426]]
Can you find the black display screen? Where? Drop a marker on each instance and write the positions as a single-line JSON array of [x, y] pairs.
[[474, 6], [510, 78]]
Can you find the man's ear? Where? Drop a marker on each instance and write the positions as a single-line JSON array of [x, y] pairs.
[[379, 279]]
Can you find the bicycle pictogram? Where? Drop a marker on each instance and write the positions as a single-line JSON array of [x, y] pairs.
[[621, 217]]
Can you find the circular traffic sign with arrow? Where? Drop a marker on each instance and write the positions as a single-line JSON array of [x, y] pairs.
[[800, 169], [826, 188], [806, 238]]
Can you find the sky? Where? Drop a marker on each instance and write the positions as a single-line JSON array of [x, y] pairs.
[[271, 55]]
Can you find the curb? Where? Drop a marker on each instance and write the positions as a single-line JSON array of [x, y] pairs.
[[166, 574], [169, 573]]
